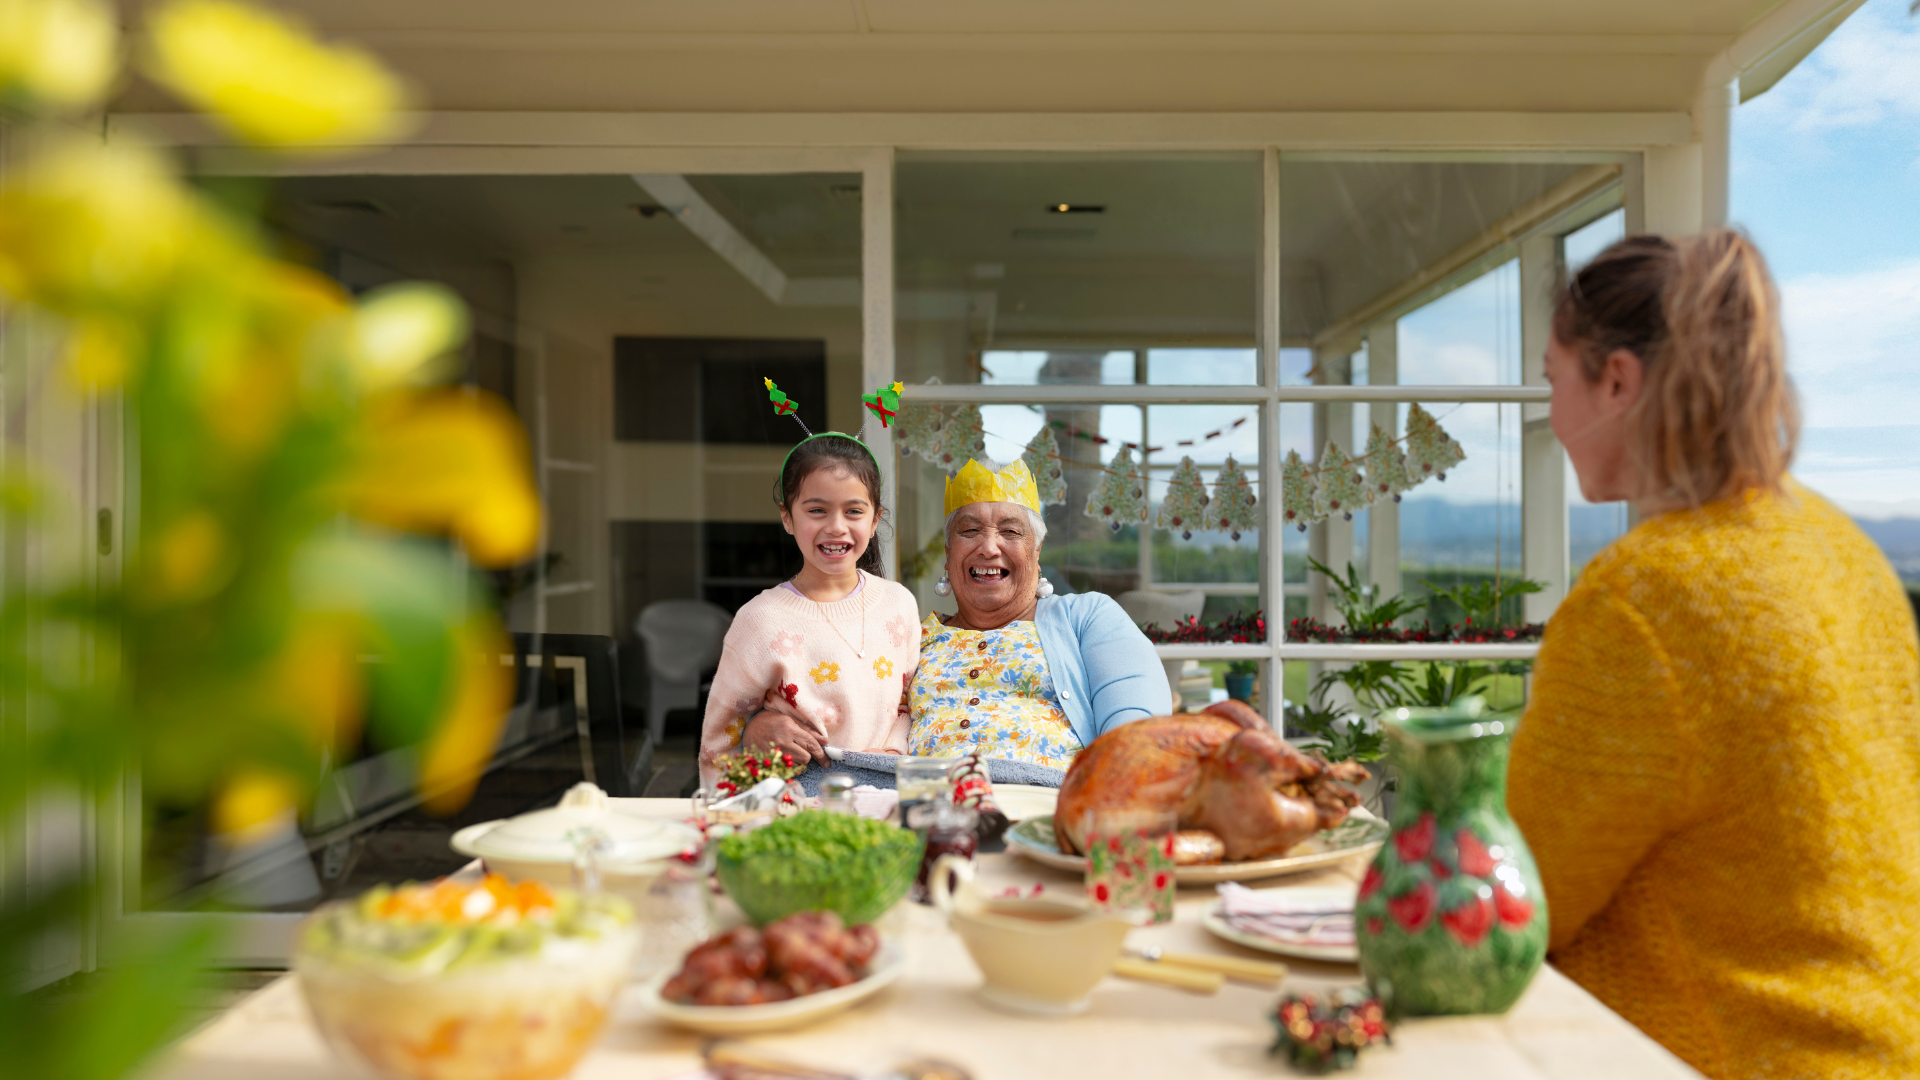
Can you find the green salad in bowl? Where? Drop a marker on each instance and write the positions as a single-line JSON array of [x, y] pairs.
[[819, 861]]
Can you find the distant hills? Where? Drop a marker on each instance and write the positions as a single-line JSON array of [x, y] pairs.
[[1436, 532]]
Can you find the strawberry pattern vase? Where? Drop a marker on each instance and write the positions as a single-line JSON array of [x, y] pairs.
[[1450, 916]]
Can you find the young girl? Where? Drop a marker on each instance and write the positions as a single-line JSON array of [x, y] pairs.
[[829, 652]]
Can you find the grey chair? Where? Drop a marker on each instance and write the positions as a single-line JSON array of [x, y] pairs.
[[683, 640]]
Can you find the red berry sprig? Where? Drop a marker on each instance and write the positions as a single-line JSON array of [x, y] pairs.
[[1320, 1034], [738, 772]]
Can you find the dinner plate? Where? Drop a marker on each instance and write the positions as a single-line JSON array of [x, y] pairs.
[[1218, 926], [1361, 834], [888, 965], [1022, 801]]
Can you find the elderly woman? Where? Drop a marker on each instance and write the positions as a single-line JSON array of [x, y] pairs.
[[1717, 771], [1017, 674]]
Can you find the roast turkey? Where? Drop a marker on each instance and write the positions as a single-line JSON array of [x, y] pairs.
[[1223, 771]]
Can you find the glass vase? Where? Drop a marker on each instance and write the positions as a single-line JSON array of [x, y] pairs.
[[1450, 917]]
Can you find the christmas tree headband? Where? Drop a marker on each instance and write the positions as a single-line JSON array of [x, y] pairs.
[[883, 403], [975, 483]]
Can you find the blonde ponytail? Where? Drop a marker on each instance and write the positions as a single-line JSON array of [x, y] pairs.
[[1717, 414]]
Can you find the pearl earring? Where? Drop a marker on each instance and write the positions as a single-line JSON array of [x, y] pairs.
[[943, 586], [1046, 588]]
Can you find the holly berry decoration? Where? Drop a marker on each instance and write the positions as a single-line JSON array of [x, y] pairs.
[[1234, 508], [1185, 507], [1321, 1033], [740, 771], [1118, 498], [1043, 461], [782, 404], [884, 403], [1296, 492]]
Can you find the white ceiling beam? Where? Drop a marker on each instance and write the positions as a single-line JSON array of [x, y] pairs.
[[678, 198]]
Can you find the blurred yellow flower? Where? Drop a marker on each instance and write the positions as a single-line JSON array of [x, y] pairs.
[[400, 330], [90, 226], [99, 352], [250, 799], [264, 77], [188, 559], [318, 675], [454, 461], [57, 53], [455, 757]]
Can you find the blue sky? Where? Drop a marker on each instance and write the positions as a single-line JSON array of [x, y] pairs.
[[1826, 178]]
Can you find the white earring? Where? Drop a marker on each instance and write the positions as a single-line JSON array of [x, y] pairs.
[[943, 586], [1046, 588]]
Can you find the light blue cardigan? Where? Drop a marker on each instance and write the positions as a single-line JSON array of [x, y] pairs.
[[1103, 667]]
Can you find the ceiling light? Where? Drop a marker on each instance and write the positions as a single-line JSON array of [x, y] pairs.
[[1075, 208]]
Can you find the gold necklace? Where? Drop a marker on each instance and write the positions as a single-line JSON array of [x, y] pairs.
[[861, 652]]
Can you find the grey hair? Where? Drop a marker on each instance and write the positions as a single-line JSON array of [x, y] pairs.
[[1038, 523]]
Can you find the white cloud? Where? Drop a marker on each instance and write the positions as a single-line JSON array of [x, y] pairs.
[[1867, 73], [1853, 345]]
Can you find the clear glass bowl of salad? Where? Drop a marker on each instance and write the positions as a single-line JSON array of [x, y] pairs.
[[466, 980]]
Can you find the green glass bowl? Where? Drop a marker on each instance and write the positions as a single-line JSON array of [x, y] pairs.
[[859, 889]]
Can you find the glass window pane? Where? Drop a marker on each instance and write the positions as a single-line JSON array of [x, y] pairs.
[[1157, 573], [1075, 256], [1582, 244], [629, 321], [1468, 337], [1367, 240]]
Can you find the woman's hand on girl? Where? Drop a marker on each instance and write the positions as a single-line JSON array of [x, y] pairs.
[[778, 731]]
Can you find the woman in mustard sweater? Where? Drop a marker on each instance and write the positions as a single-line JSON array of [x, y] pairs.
[[1719, 770]]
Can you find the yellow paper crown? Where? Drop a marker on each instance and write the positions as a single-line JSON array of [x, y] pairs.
[[974, 483]]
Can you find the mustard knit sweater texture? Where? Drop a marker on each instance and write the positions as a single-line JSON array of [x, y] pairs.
[[1719, 775]]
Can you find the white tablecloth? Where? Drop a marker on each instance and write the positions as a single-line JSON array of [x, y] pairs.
[[1133, 1030]]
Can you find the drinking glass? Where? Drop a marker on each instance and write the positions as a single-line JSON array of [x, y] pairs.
[[1130, 862], [922, 780]]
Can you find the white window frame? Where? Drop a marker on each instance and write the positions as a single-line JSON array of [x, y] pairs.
[[1658, 153]]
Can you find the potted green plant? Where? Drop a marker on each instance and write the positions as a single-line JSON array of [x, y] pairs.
[[1241, 675]]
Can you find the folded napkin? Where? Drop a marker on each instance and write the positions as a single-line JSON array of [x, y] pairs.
[[875, 803], [1286, 916]]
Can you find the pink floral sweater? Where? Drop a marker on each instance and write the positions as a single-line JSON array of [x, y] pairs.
[[783, 653]]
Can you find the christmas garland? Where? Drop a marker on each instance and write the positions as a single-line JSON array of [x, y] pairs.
[[1308, 493]]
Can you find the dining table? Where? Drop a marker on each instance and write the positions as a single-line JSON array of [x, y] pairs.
[[1133, 1029]]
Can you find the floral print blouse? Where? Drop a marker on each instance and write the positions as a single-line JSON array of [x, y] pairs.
[[987, 692]]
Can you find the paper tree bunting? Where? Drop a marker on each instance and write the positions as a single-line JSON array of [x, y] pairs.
[[884, 403], [1296, 492], [960, 440], [919, 431], [1430, 450], [1234, 509], [1386, 467], [1185, 507], [1043, 461], [1119, 499], [1341, 489]]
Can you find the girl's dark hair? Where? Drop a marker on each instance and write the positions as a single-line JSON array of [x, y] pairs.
[[841, 453], [1717, 413]]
